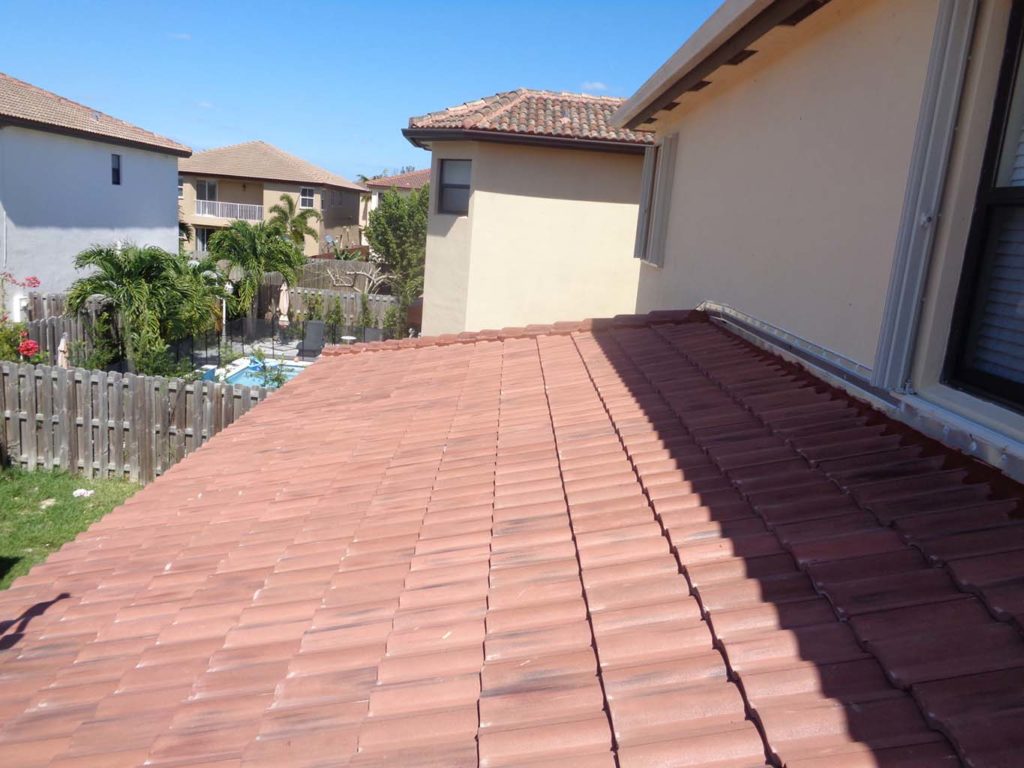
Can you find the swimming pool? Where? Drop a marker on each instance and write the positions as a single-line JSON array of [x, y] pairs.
[[246, 372]]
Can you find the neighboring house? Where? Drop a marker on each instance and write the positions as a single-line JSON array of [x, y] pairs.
[[402, 183], [72, 177], [844, 178], [243, 181], [532, 213]]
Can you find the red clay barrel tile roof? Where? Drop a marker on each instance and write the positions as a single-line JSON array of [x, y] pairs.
[[410, 180], [536, 113], [635, 543], [24, 104]]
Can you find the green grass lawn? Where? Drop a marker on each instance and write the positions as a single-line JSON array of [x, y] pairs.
[[38, 513]]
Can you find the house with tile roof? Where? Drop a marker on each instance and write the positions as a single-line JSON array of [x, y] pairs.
[[402, 183], [533, 210], [242, 182], [72, 176], [673, 539]]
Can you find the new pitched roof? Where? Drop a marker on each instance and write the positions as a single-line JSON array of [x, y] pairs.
[[24, 104], [259, 160], [410, 180], [642, 542], [569, 118]]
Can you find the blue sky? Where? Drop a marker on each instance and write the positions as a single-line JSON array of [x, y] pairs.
[[332, 82]]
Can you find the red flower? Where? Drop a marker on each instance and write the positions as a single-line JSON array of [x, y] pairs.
[[28, 348]]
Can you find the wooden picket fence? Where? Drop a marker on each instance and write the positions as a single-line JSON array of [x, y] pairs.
[[111, 425]]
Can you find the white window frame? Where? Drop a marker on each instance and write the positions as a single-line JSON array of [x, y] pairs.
[[655, 210], [303, 196]]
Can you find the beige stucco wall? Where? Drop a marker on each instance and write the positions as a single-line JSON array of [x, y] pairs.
[[550, 238], [449, 240], [791, 173], [256, 192]]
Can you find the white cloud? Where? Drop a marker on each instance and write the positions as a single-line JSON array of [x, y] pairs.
[[204, 104], [594, 85], [180, 36]]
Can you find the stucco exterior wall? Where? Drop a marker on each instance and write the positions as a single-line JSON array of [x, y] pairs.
[[56, 199], [553, 235], [549, 237], [449, 241], [791, 173]]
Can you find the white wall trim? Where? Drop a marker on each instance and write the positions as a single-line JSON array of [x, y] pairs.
[[936, 128]]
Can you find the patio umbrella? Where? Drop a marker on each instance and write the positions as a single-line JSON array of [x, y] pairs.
[[282, 305], [62, 352]]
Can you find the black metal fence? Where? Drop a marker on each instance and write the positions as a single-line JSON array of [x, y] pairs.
[[244, 336]]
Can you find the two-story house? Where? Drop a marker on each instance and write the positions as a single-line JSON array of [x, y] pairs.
[[243, 182], [71, 177]]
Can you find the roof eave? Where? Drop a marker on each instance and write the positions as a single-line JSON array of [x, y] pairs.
[[100, 137], [420, 137], [736, 24], [252, 177]]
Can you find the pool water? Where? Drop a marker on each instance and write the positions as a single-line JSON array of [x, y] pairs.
[[250, 376]]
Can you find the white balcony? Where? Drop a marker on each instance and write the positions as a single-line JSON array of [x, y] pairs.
[[244, 211]]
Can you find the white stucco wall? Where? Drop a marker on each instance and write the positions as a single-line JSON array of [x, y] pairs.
[[56, 199], [791, 173], [549, 237]]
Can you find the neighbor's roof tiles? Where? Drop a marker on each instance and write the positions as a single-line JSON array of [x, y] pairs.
[[410, 180], [259, 160], [25, 104], [536, 113], [631, 542]]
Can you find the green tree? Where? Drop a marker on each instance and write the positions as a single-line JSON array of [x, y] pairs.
[[152, 297], [293, 222], [250, 251], [397, 233]]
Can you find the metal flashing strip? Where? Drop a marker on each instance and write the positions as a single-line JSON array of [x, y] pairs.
[[961, 434], [834, 364], [930, 418], [936, 126]]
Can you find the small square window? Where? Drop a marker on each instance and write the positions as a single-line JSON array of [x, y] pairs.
[[115, 169], [306, 197], [454, 190]]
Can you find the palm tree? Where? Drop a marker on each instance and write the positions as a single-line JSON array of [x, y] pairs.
[[252, 250], [153, 296], [293, 222]]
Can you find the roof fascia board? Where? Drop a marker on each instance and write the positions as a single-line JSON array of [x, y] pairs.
[[420, 137], [102, 138], [732, 28]]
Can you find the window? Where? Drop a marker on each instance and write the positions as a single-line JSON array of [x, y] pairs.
[[306, 197], [986, 350], [115, 170], [203, 238], [206, 189], [453, 192], [181, 188], [655, 201]]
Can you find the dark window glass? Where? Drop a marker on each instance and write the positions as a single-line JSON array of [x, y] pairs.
[[453, 192], [115, 169]]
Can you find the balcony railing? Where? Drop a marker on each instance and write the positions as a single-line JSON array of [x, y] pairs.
[[245, 211]]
